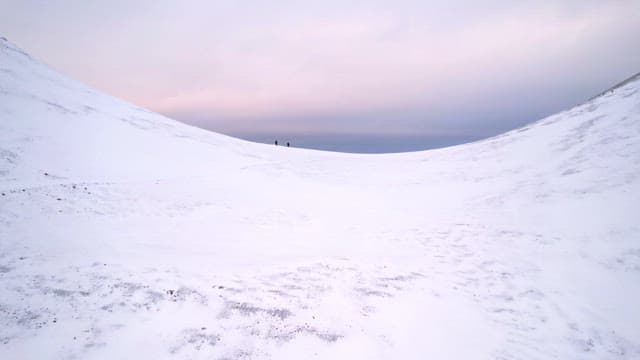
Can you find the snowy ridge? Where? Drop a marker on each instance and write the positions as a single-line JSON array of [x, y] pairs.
[[630, 79], [126, 234]]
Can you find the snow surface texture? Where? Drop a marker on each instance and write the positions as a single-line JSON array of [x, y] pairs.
[[124, 234]]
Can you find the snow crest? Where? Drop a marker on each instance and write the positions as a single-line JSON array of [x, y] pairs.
[[126, 234]]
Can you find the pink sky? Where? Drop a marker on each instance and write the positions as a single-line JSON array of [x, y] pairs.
[[406, 67]]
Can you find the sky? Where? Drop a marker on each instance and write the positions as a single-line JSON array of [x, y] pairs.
[[378, 68]]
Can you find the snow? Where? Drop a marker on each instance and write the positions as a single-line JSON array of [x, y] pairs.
[[125, 234]]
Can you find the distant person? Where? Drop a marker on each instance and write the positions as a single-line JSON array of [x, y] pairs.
[[287, 144], [276, 142]]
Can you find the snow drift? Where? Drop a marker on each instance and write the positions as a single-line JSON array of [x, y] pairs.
[[126, 234]]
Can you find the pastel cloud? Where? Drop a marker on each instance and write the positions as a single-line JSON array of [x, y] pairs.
[[410, 66]]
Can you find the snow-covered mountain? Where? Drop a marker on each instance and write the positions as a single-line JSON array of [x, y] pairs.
[[125, 234]]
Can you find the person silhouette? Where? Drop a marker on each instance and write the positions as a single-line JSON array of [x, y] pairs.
[[287, 144], [276, 142]]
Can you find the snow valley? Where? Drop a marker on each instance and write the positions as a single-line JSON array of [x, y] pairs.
[[125, 234]]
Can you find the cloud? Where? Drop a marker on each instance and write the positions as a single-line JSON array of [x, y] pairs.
[[410, 66]]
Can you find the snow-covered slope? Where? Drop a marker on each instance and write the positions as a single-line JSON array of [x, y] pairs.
[[124, 234]]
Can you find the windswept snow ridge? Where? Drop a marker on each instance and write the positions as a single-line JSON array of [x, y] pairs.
[[124, 234]]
